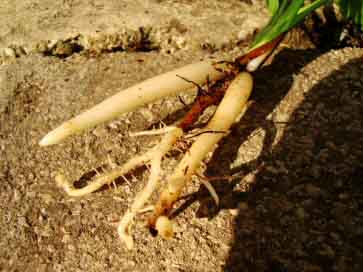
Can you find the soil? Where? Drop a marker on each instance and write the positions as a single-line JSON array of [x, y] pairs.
[[298, 151]]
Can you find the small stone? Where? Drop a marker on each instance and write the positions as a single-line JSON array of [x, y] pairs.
[[22, 221], [9, 52], [71, 247], [17, 195], [51, 248]]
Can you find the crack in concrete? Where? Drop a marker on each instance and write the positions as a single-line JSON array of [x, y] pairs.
[[142, 39]]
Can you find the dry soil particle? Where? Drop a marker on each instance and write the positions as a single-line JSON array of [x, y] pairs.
[[299, 209]]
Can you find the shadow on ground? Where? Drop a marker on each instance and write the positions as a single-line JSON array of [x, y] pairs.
[[302, 213], [303, 210], [271, 84]]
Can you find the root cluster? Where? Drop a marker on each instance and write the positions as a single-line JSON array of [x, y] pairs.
[[230, 90]]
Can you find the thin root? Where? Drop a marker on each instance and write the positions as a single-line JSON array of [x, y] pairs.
[[158, 153], [108, 178], [211, 190], [153, 132], [102, 179]]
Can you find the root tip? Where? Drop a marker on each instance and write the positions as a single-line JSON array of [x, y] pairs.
[[164, 227]]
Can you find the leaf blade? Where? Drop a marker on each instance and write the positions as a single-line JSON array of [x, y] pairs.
[[352, 9]]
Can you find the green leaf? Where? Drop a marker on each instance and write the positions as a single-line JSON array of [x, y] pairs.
[[272, 5], [352, 9], [279, 23], [285, 15]]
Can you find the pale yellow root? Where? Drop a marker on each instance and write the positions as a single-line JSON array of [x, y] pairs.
[[211, 190], [136, 96], [152, 132], [227, 112], [120, 171], [104, 179], [146, 209], [159, 152]]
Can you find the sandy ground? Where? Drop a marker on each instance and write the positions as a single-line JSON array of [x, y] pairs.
[[299, 150]]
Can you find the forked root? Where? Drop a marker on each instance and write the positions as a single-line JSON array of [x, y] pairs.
[[226, 114], [229, 110], [153, 154], [103, 179], [158, 153]]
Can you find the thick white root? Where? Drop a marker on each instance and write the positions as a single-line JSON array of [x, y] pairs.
[[227, 112], [231, 107], [159, 152], [136, 96]]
